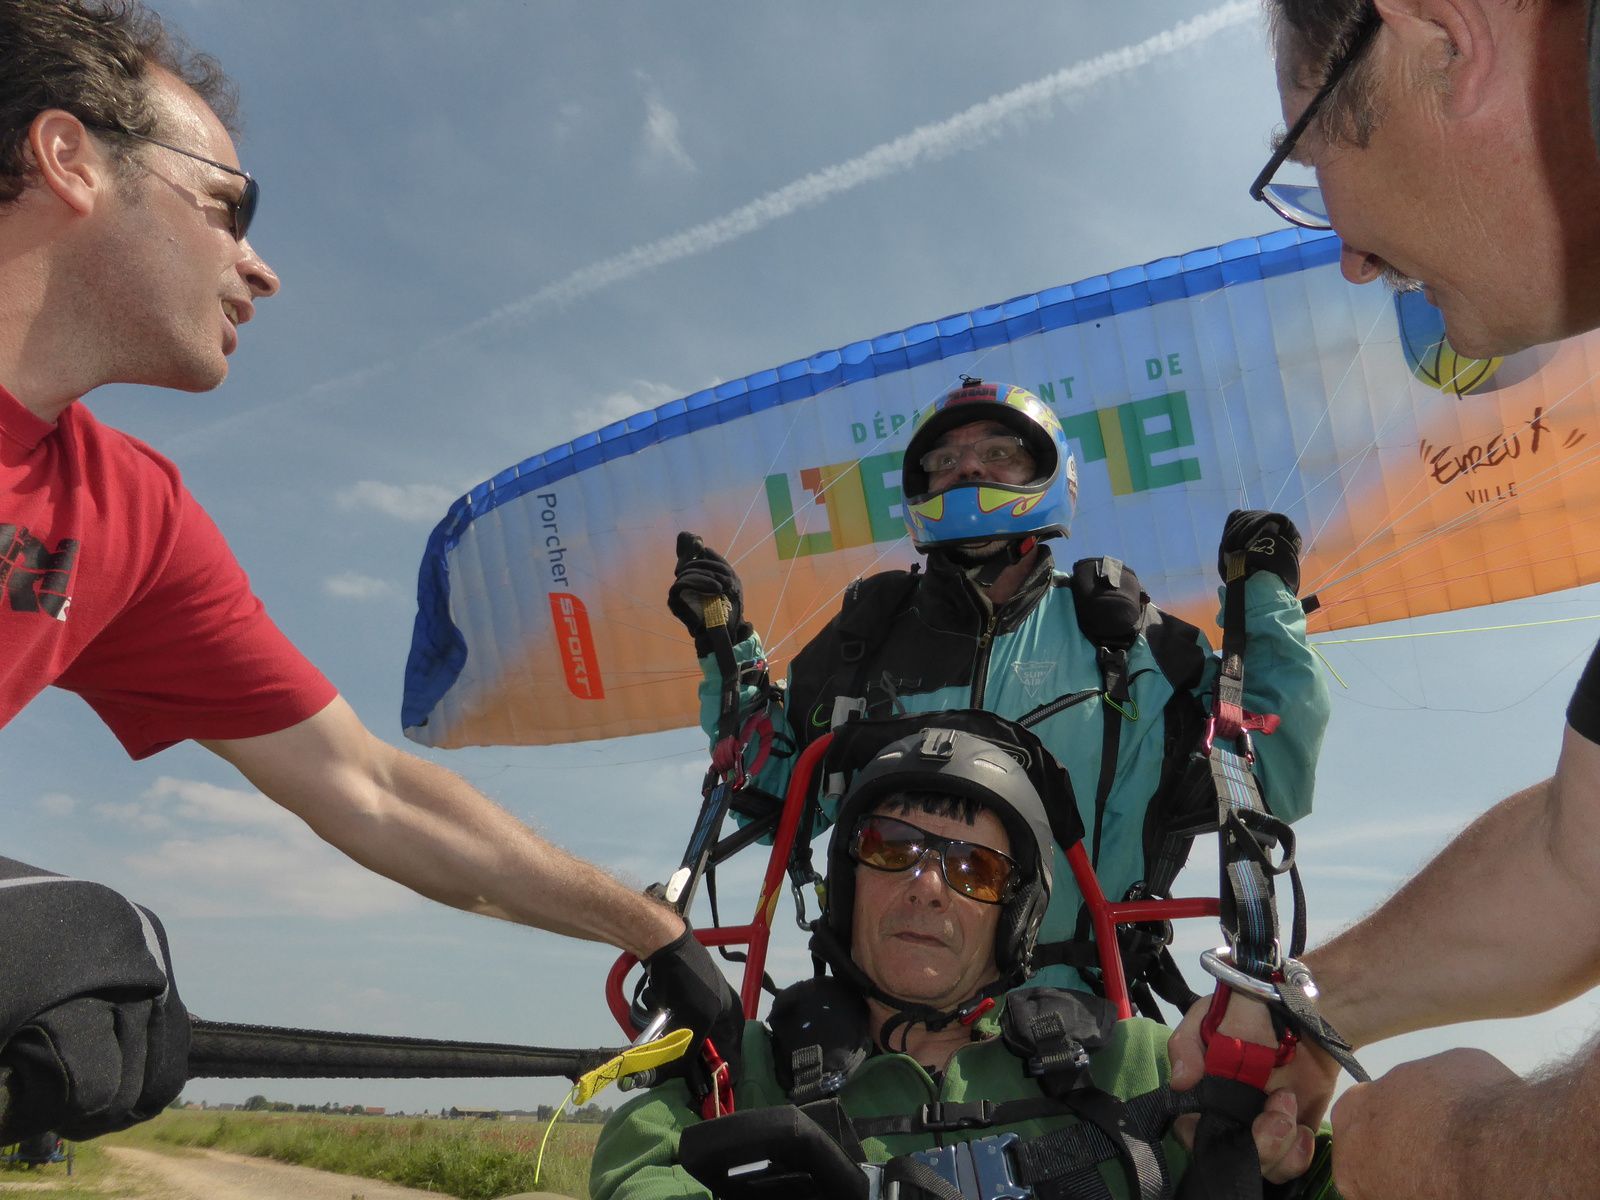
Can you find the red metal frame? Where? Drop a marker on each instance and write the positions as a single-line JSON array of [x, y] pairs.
[[1103, 915]]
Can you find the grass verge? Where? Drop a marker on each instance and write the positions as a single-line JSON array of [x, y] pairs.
[[475, 1160]]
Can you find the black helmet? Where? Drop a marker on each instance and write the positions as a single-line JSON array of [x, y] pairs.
[[995, 774]]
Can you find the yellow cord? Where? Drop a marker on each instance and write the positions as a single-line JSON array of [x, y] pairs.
[[630, 1062], [1328, 664], [1393, 637], [538, 1163]]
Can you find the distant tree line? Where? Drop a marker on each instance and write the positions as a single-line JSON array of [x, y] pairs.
[[589, 1114]]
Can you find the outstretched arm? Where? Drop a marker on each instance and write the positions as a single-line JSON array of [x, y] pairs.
[[1461, 1124], [1505, 921], [430, 830]]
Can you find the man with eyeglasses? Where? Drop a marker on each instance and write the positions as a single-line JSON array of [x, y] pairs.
[[912, 1054], [1449, 145], [124, 258], [1114, 687]]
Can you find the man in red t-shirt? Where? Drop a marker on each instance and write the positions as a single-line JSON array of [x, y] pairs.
[[124, 258]]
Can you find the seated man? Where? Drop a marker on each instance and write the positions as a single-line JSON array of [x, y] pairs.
[[1116, 689], [911, 1056]]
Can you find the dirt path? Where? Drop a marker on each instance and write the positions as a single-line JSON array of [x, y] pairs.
[[213, 1175]]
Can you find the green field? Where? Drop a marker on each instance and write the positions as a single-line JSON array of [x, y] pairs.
[[475, 1160], [89, 1175]]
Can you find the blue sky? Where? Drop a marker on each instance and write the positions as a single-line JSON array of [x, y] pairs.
[[502, 224]]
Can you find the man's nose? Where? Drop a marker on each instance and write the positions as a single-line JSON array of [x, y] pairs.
[[927, 876], [1358, 266], [260, 278], [970, 465]]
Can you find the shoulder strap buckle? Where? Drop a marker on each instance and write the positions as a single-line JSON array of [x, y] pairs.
[[947, 1116]]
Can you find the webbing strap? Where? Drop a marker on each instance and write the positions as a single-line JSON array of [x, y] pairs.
[[1247, 830], [922, 1178], [1224, 1163], [1303, 1016], [1114, 673], [1064, 1164], [947, 1117]]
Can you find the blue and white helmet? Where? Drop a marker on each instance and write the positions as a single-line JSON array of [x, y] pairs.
[[977, 512]]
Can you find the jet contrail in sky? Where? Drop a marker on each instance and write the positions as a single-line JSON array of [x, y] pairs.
[[927, 143]]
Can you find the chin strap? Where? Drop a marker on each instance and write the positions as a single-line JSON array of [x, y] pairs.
[[984, 571]]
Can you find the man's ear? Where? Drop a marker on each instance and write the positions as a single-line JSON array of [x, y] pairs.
[[69, 162], [1453, 38]]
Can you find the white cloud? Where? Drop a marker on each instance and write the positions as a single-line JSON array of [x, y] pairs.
[[170, 802], [406, 502], [569, 115], [662, 148], [349, 585], [642, 394], [133, 814], [233, 852], [1389, 877], [57, 804], [1416, 833], [190, 801], [239, 874]]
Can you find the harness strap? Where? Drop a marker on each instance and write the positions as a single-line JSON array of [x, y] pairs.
[[1064, 1165], [1224, 1164], [1113, 710], [948, 1116], [805, 1065], [915, 1178], [1300, 1002]]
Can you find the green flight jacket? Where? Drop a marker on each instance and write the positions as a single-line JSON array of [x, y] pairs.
[[636, 1156]]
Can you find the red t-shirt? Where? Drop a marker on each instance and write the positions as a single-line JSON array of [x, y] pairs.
[[115, 584]]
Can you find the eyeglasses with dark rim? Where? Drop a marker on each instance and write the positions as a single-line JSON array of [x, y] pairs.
[[243, 210], [1302, 204], [976, 871]]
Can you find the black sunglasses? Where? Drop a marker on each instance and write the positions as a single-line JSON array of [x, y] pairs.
[[976, 871], [1302, 204], [243, 209]]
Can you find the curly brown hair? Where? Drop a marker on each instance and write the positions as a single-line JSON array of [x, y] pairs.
[[93, 59]]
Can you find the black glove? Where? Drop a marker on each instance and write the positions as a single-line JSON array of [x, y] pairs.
[[1270, 543], [682, 977], [91, 1026], [701, 575]]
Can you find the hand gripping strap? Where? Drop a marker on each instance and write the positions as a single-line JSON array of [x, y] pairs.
[[1234, 1058], [1224, 1164]]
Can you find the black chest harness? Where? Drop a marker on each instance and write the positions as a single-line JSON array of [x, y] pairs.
[[813, 1148]]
